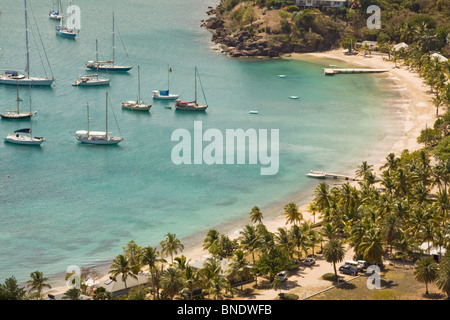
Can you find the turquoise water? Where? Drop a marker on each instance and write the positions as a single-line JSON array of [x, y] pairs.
[[66, 203]]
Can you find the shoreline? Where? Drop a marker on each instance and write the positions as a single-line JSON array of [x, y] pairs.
[[416, 110]]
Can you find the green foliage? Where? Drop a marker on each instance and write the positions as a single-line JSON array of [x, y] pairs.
[[442, 149], [387, 295], [287, 296], [10, 290]]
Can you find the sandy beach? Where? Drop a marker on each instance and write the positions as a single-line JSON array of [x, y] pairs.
[[416, 110]]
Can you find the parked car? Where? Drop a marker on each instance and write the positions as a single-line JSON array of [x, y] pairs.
[[282, 276], [309, 261], [346, 269]]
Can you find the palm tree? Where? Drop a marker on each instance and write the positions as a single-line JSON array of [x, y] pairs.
[[150, 257], [122, 266], [443, 276], [322, 197], [298, 239], [292, 214], [172, 281], [101, 294], [191, 278], [250, 240], [256, 215], [37, 282], [391, 162], [210, 238], [133, 252], [334, 252], [171, 245], [72, 294], [364, 170], [181, 262], [283, 239], [239, 267], [372, 246], [426, 271], [391, 227]]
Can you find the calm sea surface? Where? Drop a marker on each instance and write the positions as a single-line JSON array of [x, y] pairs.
[[65, 203]]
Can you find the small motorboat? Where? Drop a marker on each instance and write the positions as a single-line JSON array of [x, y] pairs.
[[317, 175], [91, 80]]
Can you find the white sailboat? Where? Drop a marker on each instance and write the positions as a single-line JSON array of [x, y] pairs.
[[97, 137], [23, 78], [192, 105], [91, 80], [24, 136], [165, 94], [20, 138], [16, 114], [64, 31], [53, 14], [137, 105], [110, 64]]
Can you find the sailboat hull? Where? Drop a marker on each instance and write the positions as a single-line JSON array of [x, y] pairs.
[[25, 140], [16, 116], [31, 81], [109, 68], [99, 140]]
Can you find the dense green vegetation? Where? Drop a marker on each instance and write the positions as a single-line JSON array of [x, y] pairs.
[[425, 22]]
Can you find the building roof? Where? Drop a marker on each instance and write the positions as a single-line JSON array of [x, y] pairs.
[[400, 45], [434, 250], [440, 57], [117, 285]]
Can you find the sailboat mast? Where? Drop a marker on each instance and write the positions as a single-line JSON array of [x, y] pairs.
[[107, 115], [26, 37], [18, 99], [195, 84], [168, 73], [96, 50], [88, 130], [139, 86], [113, 45]]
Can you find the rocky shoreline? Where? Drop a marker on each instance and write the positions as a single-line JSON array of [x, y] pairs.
[[241, 43]]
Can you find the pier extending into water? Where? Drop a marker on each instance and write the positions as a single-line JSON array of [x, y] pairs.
[[324, 175], [333, 71]]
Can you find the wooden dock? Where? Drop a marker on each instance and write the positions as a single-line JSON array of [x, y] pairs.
[[324, 175], [332, 71]]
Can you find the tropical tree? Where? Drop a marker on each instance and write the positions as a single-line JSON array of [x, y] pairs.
[[121, 266], [372, 246], [72, 294], [38, 283], [239, 267], [211, 236], [150, 257], [172, 281], [133, 252], [191, 280], [322, 197], [426, 271], [171, 245], [299, 239], [249, 240], [334, 252], [292, 214], [10, 290], [273, 261], [256, 215], [443, 276], [101, 294]]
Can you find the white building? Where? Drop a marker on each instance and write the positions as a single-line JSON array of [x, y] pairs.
[[321, 3]]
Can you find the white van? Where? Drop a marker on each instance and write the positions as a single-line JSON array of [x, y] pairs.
[[355, 264]]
